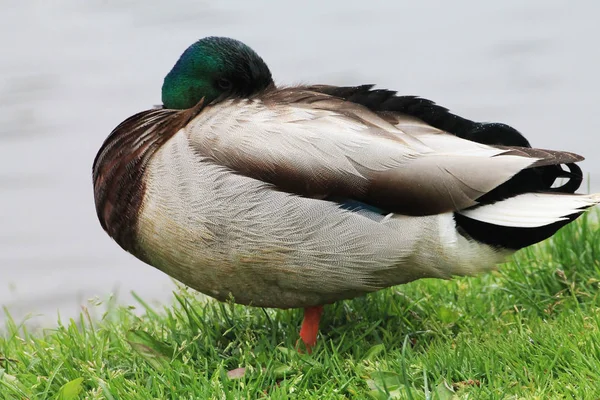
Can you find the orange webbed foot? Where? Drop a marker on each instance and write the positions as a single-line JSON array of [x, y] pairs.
[[310, 326]]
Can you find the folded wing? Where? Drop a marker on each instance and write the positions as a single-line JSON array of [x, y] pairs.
[[314, 145]]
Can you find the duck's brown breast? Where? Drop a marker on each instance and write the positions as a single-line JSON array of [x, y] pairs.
[[119, 169]]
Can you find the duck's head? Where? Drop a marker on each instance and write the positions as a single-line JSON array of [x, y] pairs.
[[211, 68]]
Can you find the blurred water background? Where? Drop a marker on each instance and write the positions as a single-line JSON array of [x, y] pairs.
[[71, 70]]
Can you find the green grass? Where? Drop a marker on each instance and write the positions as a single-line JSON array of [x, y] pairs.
[[530, 330]]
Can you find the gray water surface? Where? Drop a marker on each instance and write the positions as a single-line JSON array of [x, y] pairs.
[[71, 70]]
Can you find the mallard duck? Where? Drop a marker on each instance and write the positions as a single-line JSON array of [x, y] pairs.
[[301, 196]]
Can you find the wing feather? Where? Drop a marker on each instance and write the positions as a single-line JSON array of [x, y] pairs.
[[314, 145]]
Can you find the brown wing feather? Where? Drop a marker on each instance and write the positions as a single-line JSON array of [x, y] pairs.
[[316, 145], [395, 108]]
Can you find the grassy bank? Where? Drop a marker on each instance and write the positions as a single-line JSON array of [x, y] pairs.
[[529, 330]]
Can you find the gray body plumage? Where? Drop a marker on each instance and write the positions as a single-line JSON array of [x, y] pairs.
[[235, 198], [228, 235]]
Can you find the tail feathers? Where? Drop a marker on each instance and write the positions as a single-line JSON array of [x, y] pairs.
[[531, 210], [522, 220], [545, 157]]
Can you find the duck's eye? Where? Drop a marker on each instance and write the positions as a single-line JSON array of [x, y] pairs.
[[224, 83]]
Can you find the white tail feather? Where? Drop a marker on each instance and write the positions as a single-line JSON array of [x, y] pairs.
[[532, 210]]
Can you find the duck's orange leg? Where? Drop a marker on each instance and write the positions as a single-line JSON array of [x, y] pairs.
[[310, 326]]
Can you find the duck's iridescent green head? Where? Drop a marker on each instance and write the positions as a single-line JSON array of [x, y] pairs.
[[214, 67]]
